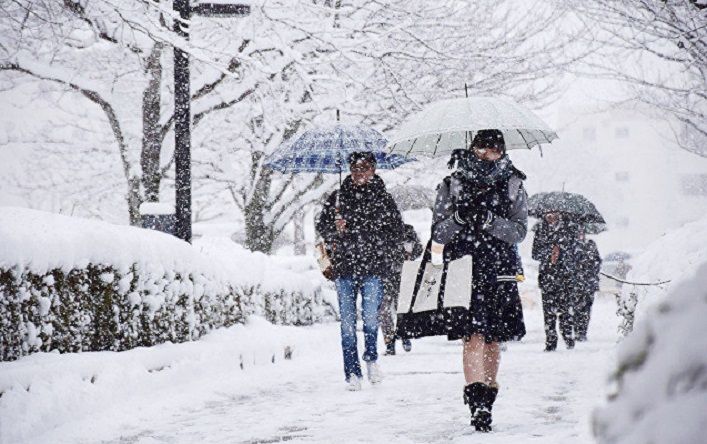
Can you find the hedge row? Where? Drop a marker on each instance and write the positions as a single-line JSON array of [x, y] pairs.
[[101, 308]]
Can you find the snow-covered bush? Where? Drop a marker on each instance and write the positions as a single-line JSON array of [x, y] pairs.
[[70, 284], [284, 290], [673, 257], [659, 391]]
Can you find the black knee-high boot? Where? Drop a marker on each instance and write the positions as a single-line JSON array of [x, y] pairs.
[[471, 395], [480, 398]]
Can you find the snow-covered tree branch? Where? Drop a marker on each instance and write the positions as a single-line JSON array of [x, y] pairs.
[[658, 49]]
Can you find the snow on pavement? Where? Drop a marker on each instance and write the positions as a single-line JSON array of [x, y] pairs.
[[203, 396]]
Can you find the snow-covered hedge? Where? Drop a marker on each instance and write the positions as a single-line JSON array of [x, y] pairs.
[[72, 284], [659, 389]]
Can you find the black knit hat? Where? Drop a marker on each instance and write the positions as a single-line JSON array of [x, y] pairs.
[[489, 138], [362, 156]]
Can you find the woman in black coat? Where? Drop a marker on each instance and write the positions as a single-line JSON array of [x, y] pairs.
[[481, 210]]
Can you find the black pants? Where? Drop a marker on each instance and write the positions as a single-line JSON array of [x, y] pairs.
[[558, 304], [582, 313]]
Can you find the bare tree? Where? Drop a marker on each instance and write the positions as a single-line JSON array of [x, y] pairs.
[[378, 61], [120, 63], [257, 82], [658, 48], [419, 51]]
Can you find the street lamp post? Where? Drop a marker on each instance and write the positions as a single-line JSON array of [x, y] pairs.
[[182, 106]]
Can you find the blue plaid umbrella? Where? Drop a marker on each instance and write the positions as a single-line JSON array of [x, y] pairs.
[[326, 150]]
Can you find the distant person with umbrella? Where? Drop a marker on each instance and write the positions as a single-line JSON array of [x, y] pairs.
[[409, 249], [359, 223], [587, 284], [481, 211], [558, 247]]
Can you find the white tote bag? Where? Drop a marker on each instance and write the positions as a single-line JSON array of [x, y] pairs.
[[457, 292]]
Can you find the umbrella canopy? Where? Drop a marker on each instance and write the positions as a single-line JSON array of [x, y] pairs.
[[326, 150], [592, 228], [444, 126], [575, 205], [412, 197], [589, 228]]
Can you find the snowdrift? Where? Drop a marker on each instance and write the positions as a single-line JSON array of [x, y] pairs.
[[670, 259], [46, 391], [674, 256], [70, 284], [660, 383]]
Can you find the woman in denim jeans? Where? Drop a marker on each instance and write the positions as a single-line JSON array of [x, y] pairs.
[[359, 223]]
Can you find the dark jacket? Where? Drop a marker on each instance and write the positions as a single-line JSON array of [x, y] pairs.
[[373, 226], [589, 262], [398, 253], [493, 245], [564, 274], [495, 310]]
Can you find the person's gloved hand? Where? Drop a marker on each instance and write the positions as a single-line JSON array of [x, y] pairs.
[[468, 214]]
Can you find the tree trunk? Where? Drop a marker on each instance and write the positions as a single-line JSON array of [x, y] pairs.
[[259, 234], [151, 140], [300, 247], [134, 200]]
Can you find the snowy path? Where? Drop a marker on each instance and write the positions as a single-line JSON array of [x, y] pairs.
[[544, 397]]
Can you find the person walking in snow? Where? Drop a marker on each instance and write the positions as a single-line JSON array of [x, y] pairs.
[[409, 249], [481, 210], [357, 223], [556, 247], [587, 284]]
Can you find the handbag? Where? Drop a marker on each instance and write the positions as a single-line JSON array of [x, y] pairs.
[[434, 299], [324, 261]]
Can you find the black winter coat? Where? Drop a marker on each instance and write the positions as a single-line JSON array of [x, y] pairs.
[[374, 226], [398, 254], [589, 262], [564, 274], [495, 310]]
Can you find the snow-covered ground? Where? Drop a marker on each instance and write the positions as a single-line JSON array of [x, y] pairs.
[[225, 388]]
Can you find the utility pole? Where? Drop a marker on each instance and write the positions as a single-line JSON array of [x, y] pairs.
[[182, 105]]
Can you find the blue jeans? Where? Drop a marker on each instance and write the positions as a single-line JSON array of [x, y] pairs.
[[371, 289]]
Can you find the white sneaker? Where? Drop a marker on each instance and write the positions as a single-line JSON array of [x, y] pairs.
[[354, 384], [375, 375]]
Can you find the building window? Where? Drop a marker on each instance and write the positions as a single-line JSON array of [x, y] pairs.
[[589, 134], [621, 132], [694, 185], [621, 176]]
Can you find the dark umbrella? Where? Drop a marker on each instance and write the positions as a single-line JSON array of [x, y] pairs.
[[592, 228], [574, 205], [589, 228]]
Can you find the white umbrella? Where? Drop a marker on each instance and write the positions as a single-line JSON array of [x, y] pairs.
[[444, 126]]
